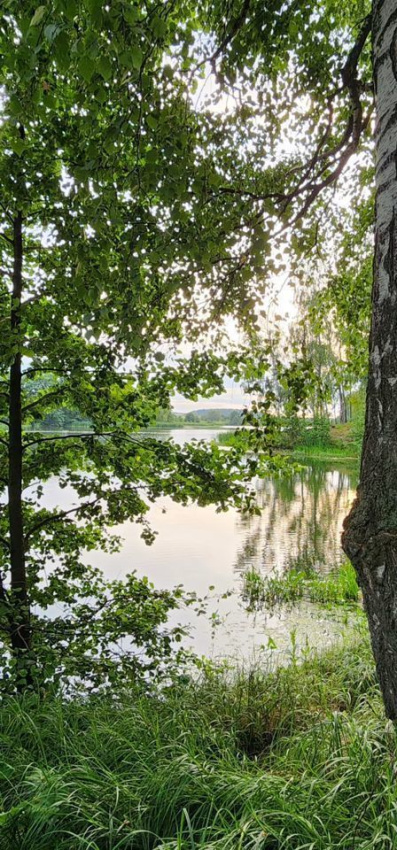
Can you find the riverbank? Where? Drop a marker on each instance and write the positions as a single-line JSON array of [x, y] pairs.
[[296, 759], [335, 451], [328, 454]]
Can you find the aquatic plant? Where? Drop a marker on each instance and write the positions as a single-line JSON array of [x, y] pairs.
[[338, 587]]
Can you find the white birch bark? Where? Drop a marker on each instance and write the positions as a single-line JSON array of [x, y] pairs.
[[370, 537]]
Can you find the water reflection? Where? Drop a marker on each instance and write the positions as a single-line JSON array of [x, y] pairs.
[[301, 521]]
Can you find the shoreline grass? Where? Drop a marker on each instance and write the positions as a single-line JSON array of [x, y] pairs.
[[299, 759], [333, 452], [336, 588], [329, 453]]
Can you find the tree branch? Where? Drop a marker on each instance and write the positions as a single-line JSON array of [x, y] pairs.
[[43, 398], [79, 508], [312, 182], [349, 70], [59, 517], [83, 435], [34, 370], [228, 38]]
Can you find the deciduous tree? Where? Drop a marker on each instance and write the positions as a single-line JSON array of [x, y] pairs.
[[110, 252]]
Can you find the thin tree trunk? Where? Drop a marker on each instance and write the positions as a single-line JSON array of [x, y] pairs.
[[20, 613], [370, 536], [342, 406]]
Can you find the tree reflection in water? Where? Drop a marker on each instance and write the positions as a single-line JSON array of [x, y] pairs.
[[301, 521]]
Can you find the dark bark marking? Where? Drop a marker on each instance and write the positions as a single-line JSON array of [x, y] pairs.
[[379, 62], [392, 120], [380, 33], [386, 161], [384, 186], [393, 54]]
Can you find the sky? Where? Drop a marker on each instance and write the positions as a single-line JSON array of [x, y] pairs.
[[233, 397]]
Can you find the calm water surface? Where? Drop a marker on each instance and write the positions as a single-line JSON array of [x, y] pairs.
[[300, 523]]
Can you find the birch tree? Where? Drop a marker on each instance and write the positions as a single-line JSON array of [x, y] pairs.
[[370, 537]]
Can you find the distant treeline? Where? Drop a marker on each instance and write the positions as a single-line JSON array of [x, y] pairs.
[[204, 416], [64, 419]]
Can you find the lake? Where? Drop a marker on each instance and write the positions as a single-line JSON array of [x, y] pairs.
[[300, 523]]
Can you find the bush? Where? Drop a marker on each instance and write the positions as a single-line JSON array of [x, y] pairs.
[[306, 433]]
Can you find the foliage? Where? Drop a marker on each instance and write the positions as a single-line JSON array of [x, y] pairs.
[[358, 422], [306, 433], [106, 632], [78, 644], [214, 416], [346, 298], [296, 759], [122, 239], [63, 419], [280, 432], [110, 256], [296, 437]]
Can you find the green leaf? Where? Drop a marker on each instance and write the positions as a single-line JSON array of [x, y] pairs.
[[87, 67], [38, 16], [105, 67], [151, 121], [18, 146], [50, 31], [95, 8], [61, 48], [130, 13], [131, 58], [136, 56], [101, 95], [94, 5], [70, 9], [159, 27]]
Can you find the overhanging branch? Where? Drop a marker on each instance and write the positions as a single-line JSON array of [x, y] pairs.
[[43, 399], [327, 162], [235, 27]]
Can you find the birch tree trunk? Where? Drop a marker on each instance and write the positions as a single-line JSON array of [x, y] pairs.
[[370, 535]]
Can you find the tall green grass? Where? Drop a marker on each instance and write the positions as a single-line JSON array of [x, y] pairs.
[[333, 451], [297, 760], [266, 592]]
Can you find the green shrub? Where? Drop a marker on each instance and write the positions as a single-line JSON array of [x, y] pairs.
[[307, 432]]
